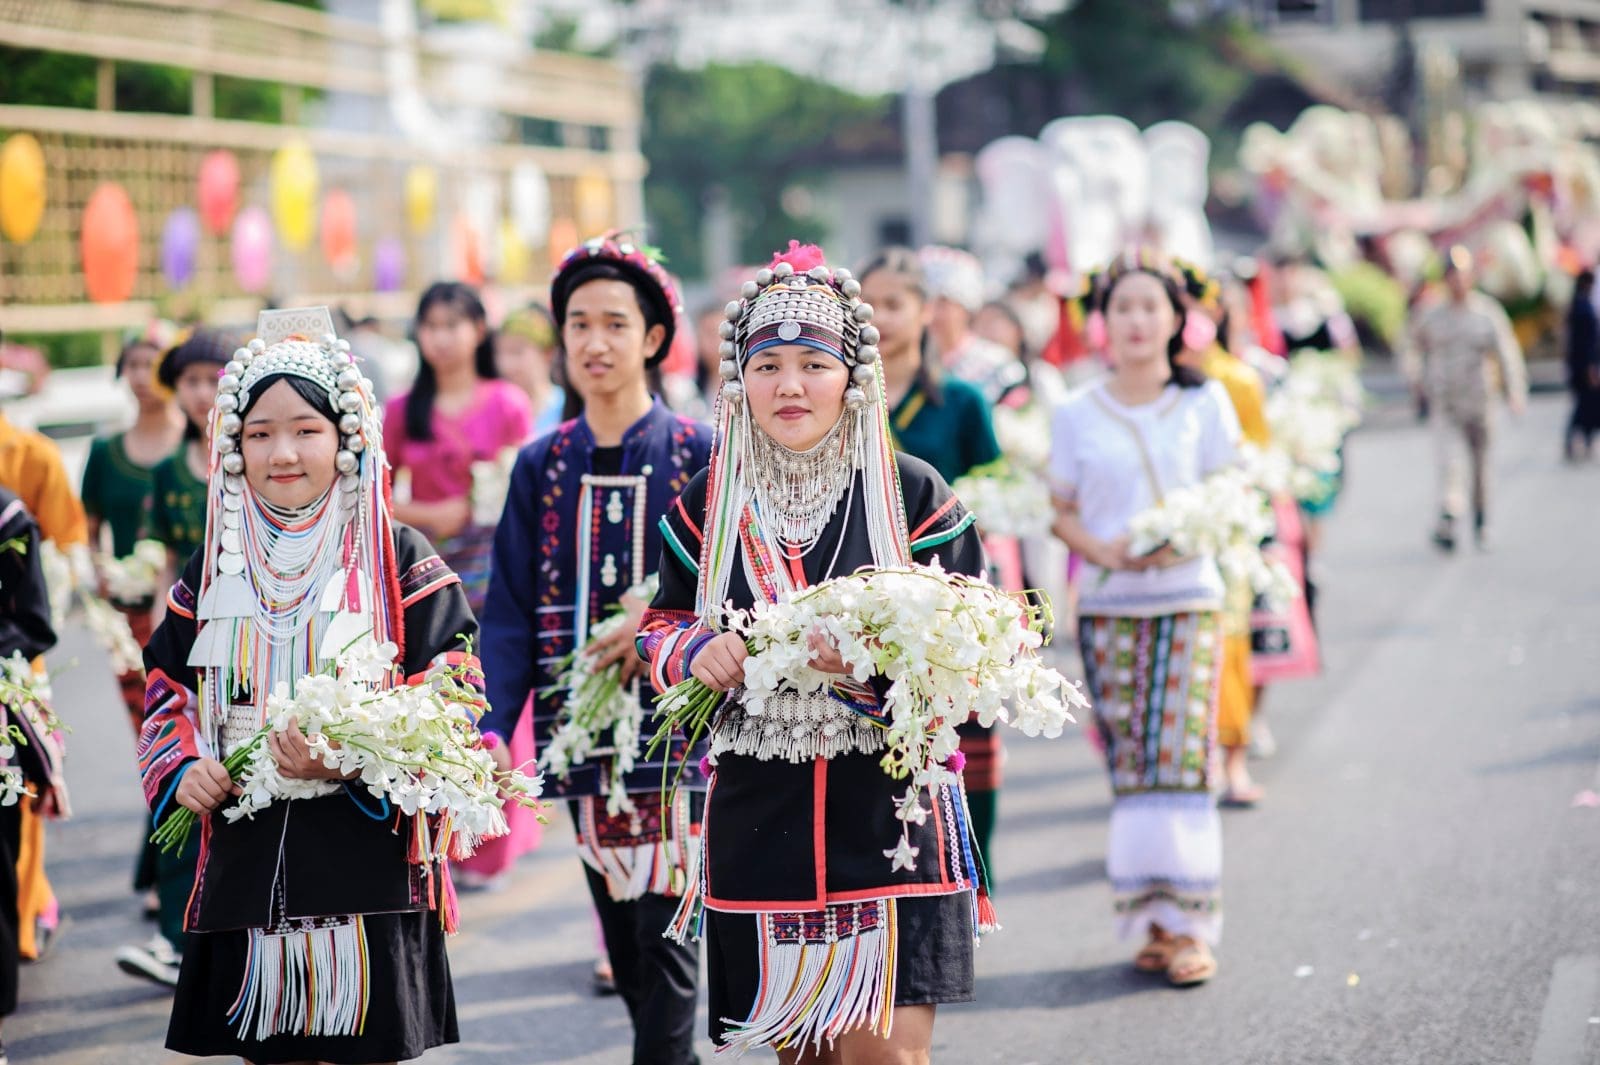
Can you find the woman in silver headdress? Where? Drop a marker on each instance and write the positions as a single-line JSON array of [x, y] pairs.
[[311, 936], [817, 945]]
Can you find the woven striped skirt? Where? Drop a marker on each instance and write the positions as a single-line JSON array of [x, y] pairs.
[[1154, 683], [469, 553]]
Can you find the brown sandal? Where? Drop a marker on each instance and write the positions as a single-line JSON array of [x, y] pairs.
[[1192, 964], [1156, 957]]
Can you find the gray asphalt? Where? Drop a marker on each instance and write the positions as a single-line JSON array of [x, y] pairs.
[[1418, 887]]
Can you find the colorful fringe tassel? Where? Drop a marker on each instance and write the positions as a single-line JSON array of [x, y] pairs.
[[822, 974], [310, 981]]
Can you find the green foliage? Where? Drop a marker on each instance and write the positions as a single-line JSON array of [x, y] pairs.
[[1373, 297], [46, 79], [63, 351], [751, 129], [1139, 61], [151, 88], [247, 101]]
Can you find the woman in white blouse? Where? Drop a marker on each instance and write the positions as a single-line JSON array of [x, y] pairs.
[[1149, 625]]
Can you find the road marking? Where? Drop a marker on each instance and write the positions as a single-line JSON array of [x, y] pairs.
[[1564, 1026]]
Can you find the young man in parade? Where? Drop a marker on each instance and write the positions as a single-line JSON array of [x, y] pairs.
[[579, 540]]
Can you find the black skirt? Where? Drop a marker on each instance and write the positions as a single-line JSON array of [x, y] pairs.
[[935, 937], [412, 1005]]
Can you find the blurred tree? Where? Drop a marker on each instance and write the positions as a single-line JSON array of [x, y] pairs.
[[751, 129]]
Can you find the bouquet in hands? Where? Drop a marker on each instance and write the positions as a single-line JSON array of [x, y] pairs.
[[133, 579], [598, 700], [417, 746], [948, 644], [1225, 516], [1006, 500], [491, 480], [25, 693], [71, 584]]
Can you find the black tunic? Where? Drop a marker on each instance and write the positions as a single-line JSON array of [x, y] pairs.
[[339, 855]]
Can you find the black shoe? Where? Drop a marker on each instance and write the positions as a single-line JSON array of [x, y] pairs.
[[1444, 534], [1480, 531]]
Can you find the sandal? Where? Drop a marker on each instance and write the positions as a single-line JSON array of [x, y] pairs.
[[1156, 957], [1192, 964], [1242, 799]]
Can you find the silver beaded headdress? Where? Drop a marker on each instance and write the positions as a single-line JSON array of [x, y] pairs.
[[247, 638], [789, 498]]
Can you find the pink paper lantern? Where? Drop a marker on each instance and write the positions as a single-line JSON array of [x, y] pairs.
[[252, 249]]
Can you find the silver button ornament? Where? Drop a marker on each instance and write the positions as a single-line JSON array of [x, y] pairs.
[[725, 330], [227, 445], [233, 462], [733, 310], [355, 444], [349, 379], [349, 423], [227, 403], [867, 353], [819, 273], [349, 483], [842, 275], [855, 398], [349, 402], [231, 564], [727, 350], [783, 270], [228, 383], [869, 334], [231, 424], [234, 367], [233, 484], [863, 374], [729, 370], [749, 289], [851, 288], [257, 346], [346, 461], [232, 542], [863, 313], [763, 277]]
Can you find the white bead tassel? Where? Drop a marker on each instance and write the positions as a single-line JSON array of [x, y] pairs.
[[311, 982]]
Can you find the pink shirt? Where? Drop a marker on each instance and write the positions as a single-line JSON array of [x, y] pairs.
[[500, 417]]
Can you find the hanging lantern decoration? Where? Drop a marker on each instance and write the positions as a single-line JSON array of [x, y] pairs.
[[388, 265], [294, 194], [596, 210], [219, 190], [110, 244], [180, 241], [252, 249], [530, 203], [22, 187], [513, 254], [563, 238], [468, 257], [421, 194], [338, 232]]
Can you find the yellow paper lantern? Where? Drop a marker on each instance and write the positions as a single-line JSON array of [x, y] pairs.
[[514, 254], [596, 210], [294, 194], [422, 194], [21, 187]]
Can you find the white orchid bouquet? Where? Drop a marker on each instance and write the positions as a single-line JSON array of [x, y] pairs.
[[26, 693], [1225, 516], [417, 746], [1007, 500], [134, 577], [596, 701], [69, 579], [1023, 434], [949, 645], [491, 480]]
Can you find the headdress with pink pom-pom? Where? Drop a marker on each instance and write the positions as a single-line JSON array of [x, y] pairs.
[[757, 484]]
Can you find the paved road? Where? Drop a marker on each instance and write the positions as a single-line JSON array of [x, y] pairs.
[[1418, 888]]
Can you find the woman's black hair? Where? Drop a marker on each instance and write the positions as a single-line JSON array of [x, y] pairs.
[[425, 388], [1182, 376], [898, 259], [315, 396]]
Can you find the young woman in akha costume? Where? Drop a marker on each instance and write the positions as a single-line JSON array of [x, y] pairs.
[[1150, 626], [817, 945], [316, 930]]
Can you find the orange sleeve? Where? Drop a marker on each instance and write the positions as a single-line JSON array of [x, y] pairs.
[[58, 511]]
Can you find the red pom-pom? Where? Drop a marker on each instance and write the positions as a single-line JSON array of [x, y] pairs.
[[800, 256], [956, 762]]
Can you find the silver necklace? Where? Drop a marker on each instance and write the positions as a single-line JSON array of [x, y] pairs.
[[797, 492]]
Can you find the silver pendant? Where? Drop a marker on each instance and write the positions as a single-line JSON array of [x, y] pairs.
[[608, 571], [614, 508]]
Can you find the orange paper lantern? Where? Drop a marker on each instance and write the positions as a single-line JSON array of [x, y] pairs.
[[563, 238], [339, 230], [219, 191], [22, 187], [110, 245], [468, 251]]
